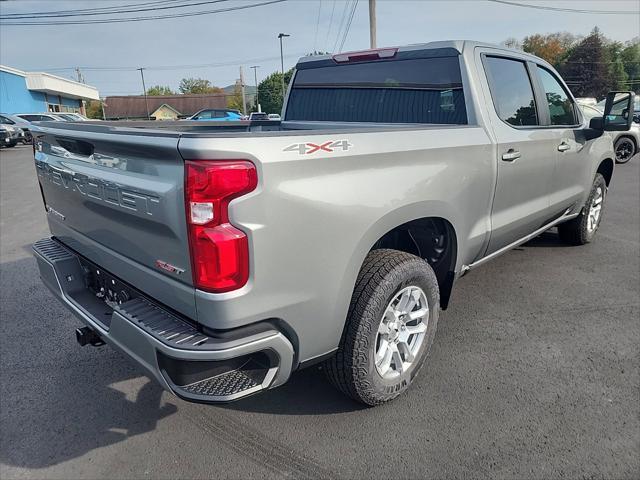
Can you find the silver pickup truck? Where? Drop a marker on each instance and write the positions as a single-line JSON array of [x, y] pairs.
[[221, 257]]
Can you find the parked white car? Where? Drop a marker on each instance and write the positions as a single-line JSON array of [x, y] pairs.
[[625, 144]]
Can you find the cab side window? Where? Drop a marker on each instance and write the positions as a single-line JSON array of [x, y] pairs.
[[561, 107], [204, 115], [511, 91]]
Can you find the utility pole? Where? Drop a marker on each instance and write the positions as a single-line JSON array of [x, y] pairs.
[[144, 89], [79, 74], [281, 36], [255, 77], [372, 23], [244, 98]]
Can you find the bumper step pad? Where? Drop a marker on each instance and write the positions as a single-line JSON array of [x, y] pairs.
[[164, 326], [237, 382]]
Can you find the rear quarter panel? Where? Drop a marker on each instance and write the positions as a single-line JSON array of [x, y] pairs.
[[314, 217]]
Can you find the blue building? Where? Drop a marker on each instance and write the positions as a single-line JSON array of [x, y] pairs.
[[37, 92]]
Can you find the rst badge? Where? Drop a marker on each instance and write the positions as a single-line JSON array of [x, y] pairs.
[[309, 148], [169, 268]]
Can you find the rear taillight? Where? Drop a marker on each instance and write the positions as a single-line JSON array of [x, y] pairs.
[[219, 251]]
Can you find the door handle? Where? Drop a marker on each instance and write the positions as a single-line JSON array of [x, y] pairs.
[[563, 147], [511, 155]]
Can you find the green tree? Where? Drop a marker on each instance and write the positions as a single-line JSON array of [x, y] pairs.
[[586, 66], [617, 74], [197, 85], [235, 99], [270, 91], [630, 58], [160, 90], [93, 109]]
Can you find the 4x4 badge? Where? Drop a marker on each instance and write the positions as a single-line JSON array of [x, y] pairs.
[[308, 148]]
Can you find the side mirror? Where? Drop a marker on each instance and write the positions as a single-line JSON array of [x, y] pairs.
[[618, 111]]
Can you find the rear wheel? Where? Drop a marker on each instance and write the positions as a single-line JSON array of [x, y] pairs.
[[625, 148], [583, 228], [390, 327]]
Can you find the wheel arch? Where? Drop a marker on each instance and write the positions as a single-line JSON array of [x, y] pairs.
[[433, 239], [605, 168], [389, 223]]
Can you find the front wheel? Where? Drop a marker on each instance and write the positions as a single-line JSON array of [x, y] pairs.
[[583, 228], [625, 148], [390, 327]]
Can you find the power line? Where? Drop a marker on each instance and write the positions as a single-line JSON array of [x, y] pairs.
[[171, 67], [315, 37], [95, 9], [111, 12], [342, 20], [563, 9], [348, 27], [333, 9], [142, 19]]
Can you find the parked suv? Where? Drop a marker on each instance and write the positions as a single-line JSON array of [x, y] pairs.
[[218, 115]]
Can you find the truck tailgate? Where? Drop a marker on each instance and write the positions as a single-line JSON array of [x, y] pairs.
[[119, 201]]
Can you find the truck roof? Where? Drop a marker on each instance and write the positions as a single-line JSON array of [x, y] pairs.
[[446, 46]]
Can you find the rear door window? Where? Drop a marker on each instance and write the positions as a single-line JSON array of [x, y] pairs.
[[511, 91], [414, 90], [561, 107]]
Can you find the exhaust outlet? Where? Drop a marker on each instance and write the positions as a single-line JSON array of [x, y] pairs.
[[88, 336]]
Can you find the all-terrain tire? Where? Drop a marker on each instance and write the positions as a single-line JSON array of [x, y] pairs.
[[352, 370], [576, 231]]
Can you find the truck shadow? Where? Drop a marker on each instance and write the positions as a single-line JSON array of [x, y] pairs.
[[60, 401], [307, 392], [548, 239]]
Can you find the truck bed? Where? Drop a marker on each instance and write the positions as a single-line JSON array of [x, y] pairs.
[[247, 128]]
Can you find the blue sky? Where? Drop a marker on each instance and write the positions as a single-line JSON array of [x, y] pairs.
[[248, 37]]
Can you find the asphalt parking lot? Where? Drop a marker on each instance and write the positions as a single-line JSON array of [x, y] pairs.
[[535, 373]]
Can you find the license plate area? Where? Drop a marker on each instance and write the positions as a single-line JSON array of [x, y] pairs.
[[105, 287]]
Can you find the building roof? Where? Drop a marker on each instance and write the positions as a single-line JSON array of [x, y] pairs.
[[52, 84], [167, 106], [133, 106]]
